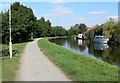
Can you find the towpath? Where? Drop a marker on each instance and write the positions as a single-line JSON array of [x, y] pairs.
[[35, 66]]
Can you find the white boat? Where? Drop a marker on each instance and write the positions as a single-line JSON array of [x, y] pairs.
[[80, 36], [101, 39]]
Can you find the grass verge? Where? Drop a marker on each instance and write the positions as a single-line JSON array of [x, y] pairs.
[[10, 66], [76, 66]]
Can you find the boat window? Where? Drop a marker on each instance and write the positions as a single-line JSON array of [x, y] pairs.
[[103, 37]]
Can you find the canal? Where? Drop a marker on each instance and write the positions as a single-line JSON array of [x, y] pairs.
[[104, 52]]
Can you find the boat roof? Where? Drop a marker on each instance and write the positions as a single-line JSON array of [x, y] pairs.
[[99, 36]]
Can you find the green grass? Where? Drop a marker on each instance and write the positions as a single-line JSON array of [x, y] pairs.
[[0, 70], [10, 66], [76, 66]]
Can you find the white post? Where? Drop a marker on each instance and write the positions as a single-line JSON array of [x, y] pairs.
[[10, 43]]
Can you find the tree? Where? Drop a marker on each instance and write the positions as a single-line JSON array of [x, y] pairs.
[[82, 28], [98, 31], [48, 26], [23, 23], [44, 28], [41, 30], [58, 31], [5, 27], [73, 31], [108, 27], [116, 32]]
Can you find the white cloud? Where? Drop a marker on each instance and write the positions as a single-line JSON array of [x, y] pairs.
[[62, 11], [59, 11], [113, 17], [97, 12]]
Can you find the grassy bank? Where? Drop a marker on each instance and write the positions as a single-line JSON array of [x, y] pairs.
[[78, 67], [9, 66]]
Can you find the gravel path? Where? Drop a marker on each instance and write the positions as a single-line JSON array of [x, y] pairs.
[[35, 66]]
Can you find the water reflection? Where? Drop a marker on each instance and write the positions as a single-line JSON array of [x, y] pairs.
[[80, 41], [109, 54], [100, 46], [82, 44]]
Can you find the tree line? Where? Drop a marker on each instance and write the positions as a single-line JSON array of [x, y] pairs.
[[77, 29], [25, 25]]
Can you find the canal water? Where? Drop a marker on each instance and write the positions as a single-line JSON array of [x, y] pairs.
[[104, 52]]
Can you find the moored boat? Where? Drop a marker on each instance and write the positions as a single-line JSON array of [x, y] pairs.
[[100, 39]]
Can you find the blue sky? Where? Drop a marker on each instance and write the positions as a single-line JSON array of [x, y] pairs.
[[67, 14]]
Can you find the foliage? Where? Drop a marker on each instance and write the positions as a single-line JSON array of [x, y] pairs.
[[73, 31], [9, 66], [76, 66], [82, 28], [116, 32], [58, 31], [25, 26], [22, 24], [46, 30], [5, 25], [43, 27], [109, 29], [77, 28]]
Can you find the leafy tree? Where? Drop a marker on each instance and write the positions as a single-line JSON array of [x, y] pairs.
[[108, 27], [48, 26], [98, 31], [116, 32], [77, 28], [44, 28], [73, 31], [23, 23], [58, 31], [5, 27], [41, 31], [82, 28]]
